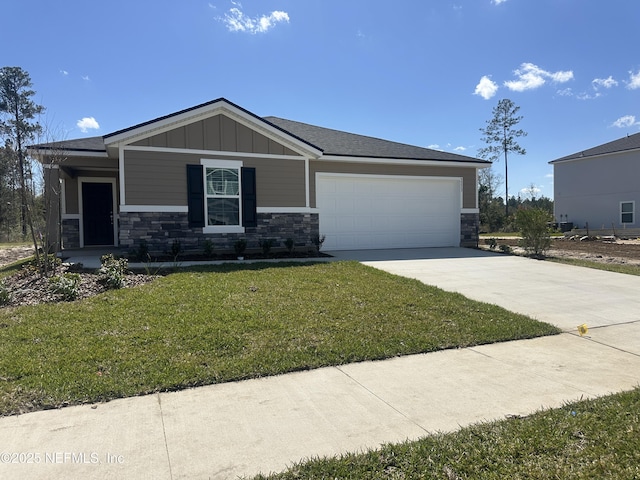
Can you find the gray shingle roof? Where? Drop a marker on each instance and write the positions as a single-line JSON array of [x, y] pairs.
[[630, 142], [331, 142], [89, 144], [336, 142]]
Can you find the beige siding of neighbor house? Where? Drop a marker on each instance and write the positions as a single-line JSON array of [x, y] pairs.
[[160, 178], [218, 133], [468, 175]]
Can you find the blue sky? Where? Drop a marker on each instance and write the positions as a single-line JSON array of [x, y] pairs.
[[425, 72]]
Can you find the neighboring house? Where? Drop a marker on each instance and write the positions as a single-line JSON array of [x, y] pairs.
[[217, 171], [599, 187]]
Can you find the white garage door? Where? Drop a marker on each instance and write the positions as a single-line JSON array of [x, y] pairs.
[[360, 212]]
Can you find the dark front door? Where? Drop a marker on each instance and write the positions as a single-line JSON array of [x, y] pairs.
[[97, 213]]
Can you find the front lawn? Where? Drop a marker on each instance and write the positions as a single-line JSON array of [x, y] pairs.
[[232, 322], [583, 440]]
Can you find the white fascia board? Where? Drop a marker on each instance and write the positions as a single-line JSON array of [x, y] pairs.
[[217, 153], [207, 111], [402, 161], [470, 210]]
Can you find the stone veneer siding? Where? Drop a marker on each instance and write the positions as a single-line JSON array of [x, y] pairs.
[[70, 233], [469, 224], [160, 230]]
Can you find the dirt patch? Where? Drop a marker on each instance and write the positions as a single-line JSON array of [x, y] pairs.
[[604, 251], [13, 254]]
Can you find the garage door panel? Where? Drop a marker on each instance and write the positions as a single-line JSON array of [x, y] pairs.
[[366, 212]]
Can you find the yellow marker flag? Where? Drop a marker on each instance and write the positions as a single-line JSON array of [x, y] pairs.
[[583, 329]]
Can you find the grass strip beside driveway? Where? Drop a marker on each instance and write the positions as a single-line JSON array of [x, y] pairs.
[[232, 322]]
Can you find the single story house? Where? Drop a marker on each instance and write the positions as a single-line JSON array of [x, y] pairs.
[[599, 188], [218, 172]]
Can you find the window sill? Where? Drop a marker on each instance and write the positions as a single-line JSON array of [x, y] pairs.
[[223, 229]]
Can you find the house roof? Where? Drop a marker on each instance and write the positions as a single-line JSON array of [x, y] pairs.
[[325, 140], [339, 143], [630, 142]]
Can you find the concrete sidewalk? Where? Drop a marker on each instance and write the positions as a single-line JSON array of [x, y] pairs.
[[222, 431]]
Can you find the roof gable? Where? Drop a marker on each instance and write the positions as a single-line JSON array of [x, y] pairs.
[[221, 106], [624, 144]]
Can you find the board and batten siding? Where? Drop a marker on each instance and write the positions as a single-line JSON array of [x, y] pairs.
[[217, 133], [160, 178], [468, 175]]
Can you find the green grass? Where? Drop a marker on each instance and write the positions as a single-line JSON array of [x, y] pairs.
[[232, 322], [583, 440], [609, 267]]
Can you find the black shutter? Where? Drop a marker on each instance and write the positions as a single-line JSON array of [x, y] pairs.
[[195, 195], [249, 203]]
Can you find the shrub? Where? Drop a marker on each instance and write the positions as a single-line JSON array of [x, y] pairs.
[[142, 252], [67, 285], [289, 243], [208, 248], [176, 249], [266, 245], [318, 240], [5, 293], [240, 246], [533, 225], [492, 242], [504, 248], [113, 271]]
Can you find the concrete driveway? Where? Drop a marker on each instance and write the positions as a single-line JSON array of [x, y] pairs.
[[563, 295]]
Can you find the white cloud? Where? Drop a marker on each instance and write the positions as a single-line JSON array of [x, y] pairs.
[[237, 21], [566, 92], [434, 146], [87, 123], [634, 80], [604, 82], [460, 149], [486, 88], [625, 122], [85, 78], [531, 76], [498, 2], [64, 72]]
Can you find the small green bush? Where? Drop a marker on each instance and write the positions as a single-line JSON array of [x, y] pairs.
[[492, 242], [67, 285], [207, 248], [533, 225], [113, 271], [290, 244], [176, 248], [318, 240], [240, 246], [5, 293], [504, 248], [142, 252], [266, 245]]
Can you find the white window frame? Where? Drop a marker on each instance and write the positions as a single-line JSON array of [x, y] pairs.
[[632, 212], [231, 164]]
